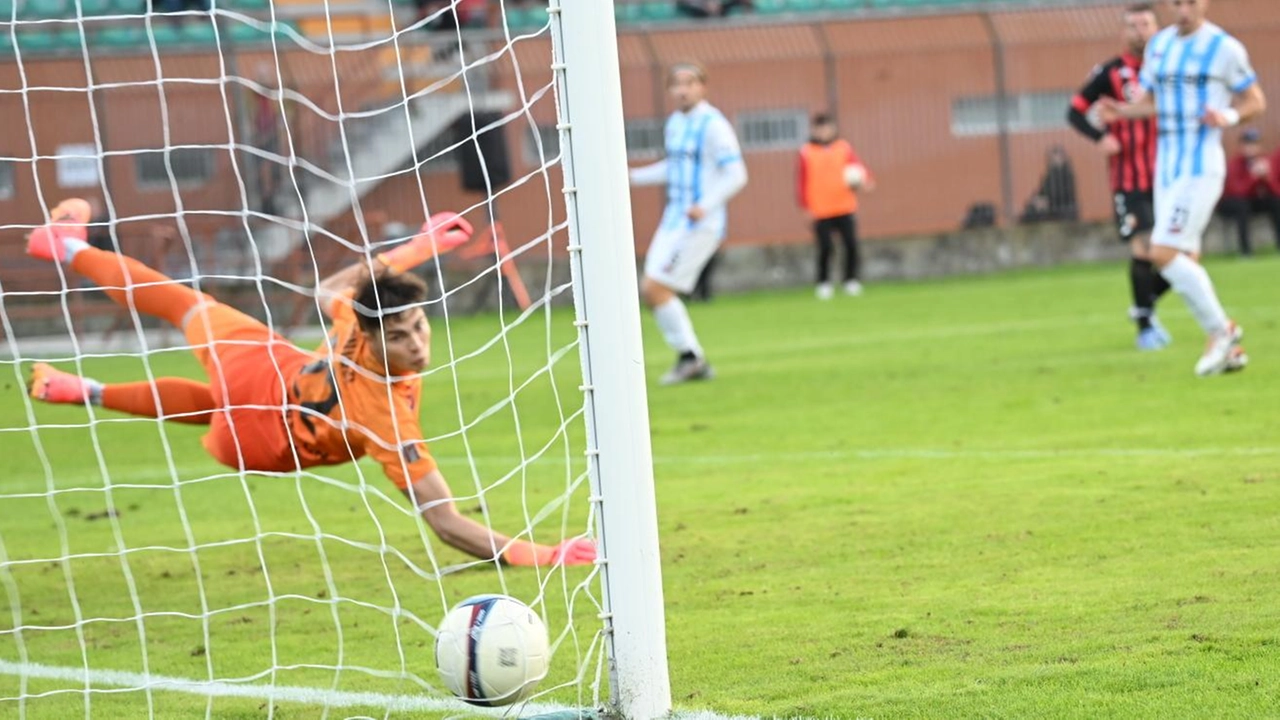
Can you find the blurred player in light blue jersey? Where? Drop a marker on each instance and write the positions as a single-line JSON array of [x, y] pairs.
[[702, 170], [1197, 80]]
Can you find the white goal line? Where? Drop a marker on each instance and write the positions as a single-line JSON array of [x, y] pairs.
[[99, 679]]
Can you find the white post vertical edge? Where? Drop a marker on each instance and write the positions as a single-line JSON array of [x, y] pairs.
[[598, 198]]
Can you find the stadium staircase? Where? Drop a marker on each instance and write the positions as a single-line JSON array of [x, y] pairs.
[[378, 147]]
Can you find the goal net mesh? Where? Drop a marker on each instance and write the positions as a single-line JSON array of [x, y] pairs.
[[250, 150]]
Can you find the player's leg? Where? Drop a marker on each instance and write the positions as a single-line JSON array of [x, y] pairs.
[[847, 226], [1271, 205], [704, 289], [1148, 286], [175, 399], [1134, 222], [1183, 211], [673, 320], [240, 355], [125, 280], [1145, 212], [179, 399], [674, 261], [822, 234]]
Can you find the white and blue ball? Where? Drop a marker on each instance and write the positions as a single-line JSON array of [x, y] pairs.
[[492, 650]]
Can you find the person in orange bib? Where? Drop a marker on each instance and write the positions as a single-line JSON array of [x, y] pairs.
[[828, 178], [273, 407]]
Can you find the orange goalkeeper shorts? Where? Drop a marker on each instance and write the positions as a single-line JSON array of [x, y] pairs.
[[249, 368]]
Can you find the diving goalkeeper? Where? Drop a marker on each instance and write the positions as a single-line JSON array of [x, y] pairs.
[[271, 406]]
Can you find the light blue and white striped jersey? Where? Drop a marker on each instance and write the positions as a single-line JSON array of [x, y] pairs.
[[1189, 75], [700, 144]]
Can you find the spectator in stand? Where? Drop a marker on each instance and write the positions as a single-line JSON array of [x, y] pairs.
[[1253, 186], [445, 15], [710, 8], [1056, 197], [828, 178]]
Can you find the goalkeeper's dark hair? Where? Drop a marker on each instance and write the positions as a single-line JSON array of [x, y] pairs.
[[386, 294], [1140, 7]]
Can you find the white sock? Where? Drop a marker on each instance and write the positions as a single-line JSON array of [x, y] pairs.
[[95, 391], [677, 328], [72, 246], [1191, 281]]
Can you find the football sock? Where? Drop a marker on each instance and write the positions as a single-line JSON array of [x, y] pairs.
[[1190, 280], [132, 284], [71, 247], [1159, 286], [189, 400], [94, 389], [1141, 281], [677, 328]]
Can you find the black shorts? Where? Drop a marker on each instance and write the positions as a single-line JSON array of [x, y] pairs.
[[1135, 213]]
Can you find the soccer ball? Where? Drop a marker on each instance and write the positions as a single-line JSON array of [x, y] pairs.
[[855, 175], [492, 650]]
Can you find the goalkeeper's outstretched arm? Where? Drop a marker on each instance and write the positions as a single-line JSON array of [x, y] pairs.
[[344, 282], [441, 233], [431, 495]]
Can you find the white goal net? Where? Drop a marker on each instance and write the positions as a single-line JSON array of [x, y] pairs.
[[250, 150]]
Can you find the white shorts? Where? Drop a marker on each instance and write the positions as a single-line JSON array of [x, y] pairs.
[[676, 257], [1183, 211]]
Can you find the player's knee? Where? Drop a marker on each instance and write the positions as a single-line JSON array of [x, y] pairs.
[[203, 304], [653, 292], [1140, 246], [1162, 255]]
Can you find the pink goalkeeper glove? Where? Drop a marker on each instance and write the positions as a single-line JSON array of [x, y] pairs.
[[441, 233], [576, 551]]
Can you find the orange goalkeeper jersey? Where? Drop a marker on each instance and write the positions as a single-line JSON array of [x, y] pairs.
[[341, 407]]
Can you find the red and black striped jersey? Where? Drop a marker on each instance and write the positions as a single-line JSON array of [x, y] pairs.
[[1132, 169]]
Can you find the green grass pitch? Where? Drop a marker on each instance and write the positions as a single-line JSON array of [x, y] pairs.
[[966, 498]]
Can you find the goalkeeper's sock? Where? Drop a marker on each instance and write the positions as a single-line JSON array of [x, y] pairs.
[[181, 400], [677, 329], [55, 244], [132, 284]]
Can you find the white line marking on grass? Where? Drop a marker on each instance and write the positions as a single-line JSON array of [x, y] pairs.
[[98, 679], [119, 679]]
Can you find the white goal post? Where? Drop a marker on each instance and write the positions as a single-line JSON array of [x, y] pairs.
[[605, 291]]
